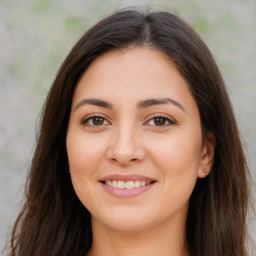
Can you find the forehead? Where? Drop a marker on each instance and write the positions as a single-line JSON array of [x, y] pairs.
[[133, 74]]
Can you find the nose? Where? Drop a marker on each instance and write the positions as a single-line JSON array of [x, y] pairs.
[[125, 147]]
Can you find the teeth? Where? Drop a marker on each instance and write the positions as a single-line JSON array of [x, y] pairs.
[[114, 184], [143, 183], [137, 184], [120, 184], [129, 184], [126, 184]]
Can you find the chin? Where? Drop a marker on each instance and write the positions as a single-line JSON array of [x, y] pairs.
[[126, 222]]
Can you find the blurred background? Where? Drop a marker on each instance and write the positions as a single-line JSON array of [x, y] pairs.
[[36, 36]]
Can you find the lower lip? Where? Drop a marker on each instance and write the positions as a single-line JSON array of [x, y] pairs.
[[118, 192]]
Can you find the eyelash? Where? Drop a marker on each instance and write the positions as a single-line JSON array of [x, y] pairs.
[[92, 117], [166, 120], [86, 121]]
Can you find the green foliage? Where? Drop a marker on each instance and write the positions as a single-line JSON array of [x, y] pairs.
[[42, 5], [73, 22]]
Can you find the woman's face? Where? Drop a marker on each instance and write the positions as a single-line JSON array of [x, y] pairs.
[[134, 141]]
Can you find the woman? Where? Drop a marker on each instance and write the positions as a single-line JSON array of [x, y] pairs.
[[139, 151]]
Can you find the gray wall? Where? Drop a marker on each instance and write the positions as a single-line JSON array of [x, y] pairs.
[[35, 37]]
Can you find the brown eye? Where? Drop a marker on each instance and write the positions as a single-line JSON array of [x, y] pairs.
[[94, 121], [98, 121], [159, 121]]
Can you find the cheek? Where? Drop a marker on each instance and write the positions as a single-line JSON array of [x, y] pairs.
[[83, 154], [177, 153], [84, 158], [178, 160]]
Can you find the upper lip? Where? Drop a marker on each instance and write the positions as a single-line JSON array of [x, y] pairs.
[[127, 177]]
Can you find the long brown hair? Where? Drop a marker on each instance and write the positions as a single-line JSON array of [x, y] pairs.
[[54, 222]]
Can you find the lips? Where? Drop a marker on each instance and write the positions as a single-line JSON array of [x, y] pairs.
[[127, 185]]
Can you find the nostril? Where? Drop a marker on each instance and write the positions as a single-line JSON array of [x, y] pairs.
[[131, 160]]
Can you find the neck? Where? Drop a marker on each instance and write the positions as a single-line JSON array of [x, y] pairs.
[[162, 241]]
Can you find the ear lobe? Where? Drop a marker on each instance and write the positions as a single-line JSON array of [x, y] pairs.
[[207, 156]]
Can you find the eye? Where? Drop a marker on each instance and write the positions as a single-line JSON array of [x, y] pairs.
[[95, 120], [160, 121]]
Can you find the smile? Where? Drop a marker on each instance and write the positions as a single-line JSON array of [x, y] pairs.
[[130, 184], [127, 185]]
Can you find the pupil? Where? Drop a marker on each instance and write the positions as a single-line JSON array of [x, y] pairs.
[[97, 121], [159, 121]]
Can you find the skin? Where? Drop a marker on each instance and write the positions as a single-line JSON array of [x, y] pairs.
[[131, 140]]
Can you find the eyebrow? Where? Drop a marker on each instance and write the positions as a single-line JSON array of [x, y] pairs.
[[142, 104], [151, 102], [96, 102]]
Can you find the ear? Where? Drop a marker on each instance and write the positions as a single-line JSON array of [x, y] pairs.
[[207, 156]]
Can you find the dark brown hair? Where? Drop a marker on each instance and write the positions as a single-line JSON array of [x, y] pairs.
[[54, 222]]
